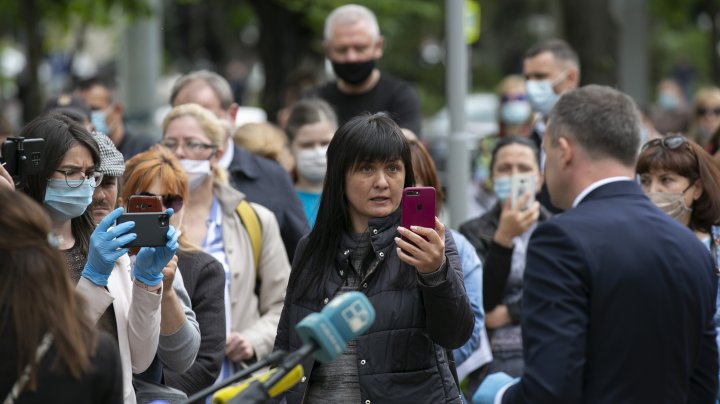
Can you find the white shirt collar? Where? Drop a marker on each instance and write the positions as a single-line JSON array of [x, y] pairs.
[[226, 159], [595, 185]]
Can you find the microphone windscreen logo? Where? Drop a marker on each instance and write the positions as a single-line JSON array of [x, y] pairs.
[[345, 318]]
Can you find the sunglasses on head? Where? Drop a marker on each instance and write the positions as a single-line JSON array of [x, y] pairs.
[[169, 201], [671, 142], [702, 111]]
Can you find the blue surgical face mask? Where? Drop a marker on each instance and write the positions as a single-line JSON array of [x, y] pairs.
[[515, 112], [67, 203], [541, 95], [98, 120], [502, 187], [667, 100]]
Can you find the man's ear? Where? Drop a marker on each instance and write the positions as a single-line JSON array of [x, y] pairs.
[[232, 111], [566, 151], [572, 79], [119, 108], [378, 47]]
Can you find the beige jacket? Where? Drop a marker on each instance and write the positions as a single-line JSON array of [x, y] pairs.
[[256, 319], [137, 313]]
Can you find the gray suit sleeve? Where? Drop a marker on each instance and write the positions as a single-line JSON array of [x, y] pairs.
[[177, 351]]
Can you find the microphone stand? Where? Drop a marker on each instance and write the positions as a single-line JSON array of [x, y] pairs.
[[200, 396], [257, 392]]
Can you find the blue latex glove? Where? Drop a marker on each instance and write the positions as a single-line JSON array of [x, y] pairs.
[[489, 388], [150, 261], [105, 248]]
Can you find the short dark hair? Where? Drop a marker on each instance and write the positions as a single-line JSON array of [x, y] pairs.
[[101, 81], [364, 138], [560, 50], [514, 139], [694, 163], [307, 112], [603, 121]]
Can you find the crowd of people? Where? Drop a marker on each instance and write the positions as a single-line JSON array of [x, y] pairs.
[[598, 283]]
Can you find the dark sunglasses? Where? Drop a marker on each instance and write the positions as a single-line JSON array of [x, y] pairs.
[[701, 111], [671, 142], [519, 97], [169, 201]]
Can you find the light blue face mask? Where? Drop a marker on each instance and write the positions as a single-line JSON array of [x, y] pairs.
[[541, 95], [98, 120], [502, 187], [67, 203], [515, 112], [667, 100]]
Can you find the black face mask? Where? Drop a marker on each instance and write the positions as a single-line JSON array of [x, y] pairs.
[[354, 72]]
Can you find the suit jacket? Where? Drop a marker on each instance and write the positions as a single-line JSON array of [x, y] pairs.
[[618, 307]]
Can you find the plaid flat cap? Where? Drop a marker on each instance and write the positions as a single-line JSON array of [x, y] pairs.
[[112, 162]]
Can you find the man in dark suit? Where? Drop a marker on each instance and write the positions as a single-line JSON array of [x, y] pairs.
[[618, 297]]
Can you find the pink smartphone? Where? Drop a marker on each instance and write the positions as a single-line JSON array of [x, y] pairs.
[[418, 207]]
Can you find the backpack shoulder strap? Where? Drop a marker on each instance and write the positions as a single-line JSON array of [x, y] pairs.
[[252, 224]]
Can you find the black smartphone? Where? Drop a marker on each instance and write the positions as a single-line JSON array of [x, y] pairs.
[[22, 156], [143, 203], [151, 228]]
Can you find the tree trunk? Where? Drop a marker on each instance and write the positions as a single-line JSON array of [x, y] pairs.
[[31, 97], [285, 44], [591, 30]]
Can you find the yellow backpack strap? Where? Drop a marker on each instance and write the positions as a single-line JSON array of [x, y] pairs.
[[252, 225]]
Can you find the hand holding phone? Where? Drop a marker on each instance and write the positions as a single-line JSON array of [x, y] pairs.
[[143, 203], [151, 228], [106, 246], [423, 247]]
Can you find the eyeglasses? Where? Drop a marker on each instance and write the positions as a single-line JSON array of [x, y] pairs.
[[193, 147], [671, 142], [93, 177], [169, 201], [702, 111]]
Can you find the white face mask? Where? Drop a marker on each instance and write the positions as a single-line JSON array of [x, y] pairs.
[[312, 163], [196, 170], [541, 94]]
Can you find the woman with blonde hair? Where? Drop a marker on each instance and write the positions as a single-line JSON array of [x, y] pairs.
[[255, 279], [706, 115], [265, 140], [49, 352]]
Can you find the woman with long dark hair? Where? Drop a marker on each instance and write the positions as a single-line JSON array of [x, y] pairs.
[[415, 285], [49, 352]]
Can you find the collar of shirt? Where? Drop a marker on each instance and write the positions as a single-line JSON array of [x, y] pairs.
[[595, 185], [227, 158]]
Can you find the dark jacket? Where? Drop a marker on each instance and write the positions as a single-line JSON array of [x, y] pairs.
[[204, 279], [264, 182], [403, 357], [618, 306], [497, 259]]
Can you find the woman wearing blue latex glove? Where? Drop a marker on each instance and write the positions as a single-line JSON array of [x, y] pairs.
[[105, 247], [69, 171]]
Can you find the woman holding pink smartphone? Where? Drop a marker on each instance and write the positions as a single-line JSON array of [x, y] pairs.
[[412, 277]]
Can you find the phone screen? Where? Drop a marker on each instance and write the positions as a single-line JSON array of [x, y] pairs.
[[521, 185]]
